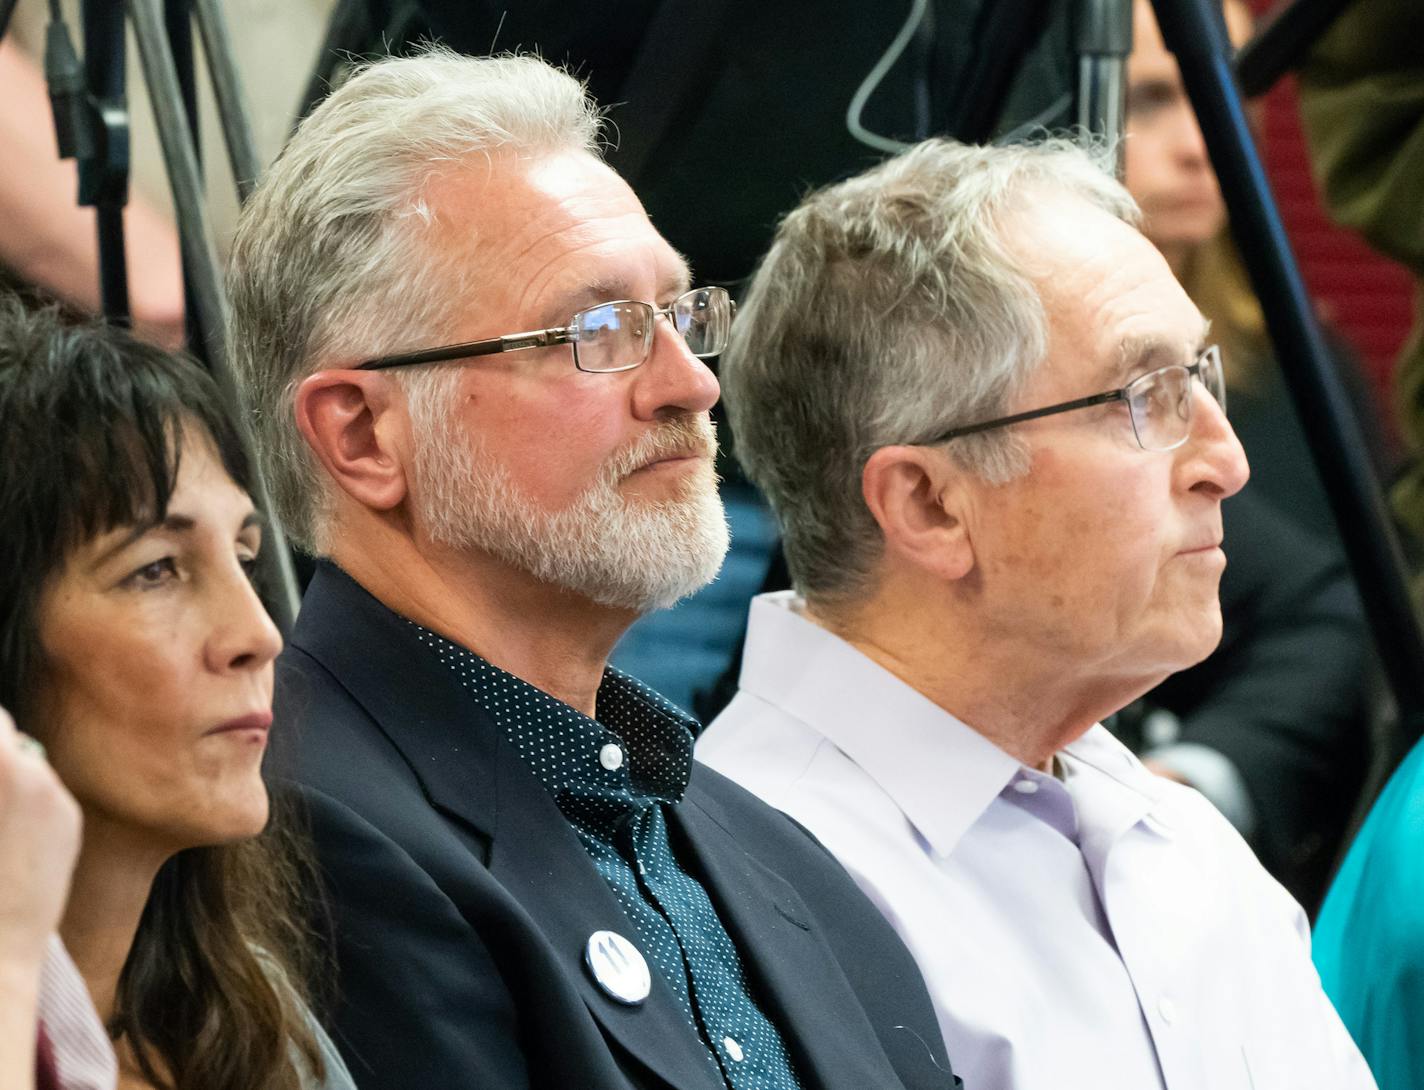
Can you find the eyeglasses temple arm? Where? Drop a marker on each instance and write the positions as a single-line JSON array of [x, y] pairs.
[[1032, 414], [513, 342]]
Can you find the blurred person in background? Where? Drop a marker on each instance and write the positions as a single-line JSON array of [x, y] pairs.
[[47, 242], [135, 649]]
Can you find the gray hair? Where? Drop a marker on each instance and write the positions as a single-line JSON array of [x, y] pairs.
[[889, 309], [332, 259]]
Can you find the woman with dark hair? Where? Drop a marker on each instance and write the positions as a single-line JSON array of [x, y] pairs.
[[134, 648]]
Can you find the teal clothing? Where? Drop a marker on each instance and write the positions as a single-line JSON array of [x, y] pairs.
[[1369, 939]]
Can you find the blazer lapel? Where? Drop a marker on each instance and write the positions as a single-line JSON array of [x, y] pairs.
[[468, 771], [800, 984], [537, 856]]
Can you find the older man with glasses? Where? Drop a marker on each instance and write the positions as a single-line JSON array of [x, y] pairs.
[[993, 429], [477, 375]]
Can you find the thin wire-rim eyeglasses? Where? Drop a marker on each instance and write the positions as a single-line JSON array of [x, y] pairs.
[[1206, 369], [706, 312]]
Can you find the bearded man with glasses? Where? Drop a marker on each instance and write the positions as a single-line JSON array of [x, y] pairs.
[[992, 427], [477, 374]]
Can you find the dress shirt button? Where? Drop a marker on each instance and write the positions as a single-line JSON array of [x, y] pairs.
[[1025, 787], [734, 1050], [611, 757], [1167, 1009]]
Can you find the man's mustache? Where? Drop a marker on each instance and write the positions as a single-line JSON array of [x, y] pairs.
[[690, 435]]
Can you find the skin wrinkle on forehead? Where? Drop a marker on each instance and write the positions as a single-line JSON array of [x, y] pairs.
[[608, 290], [590, 286], [581, 234]]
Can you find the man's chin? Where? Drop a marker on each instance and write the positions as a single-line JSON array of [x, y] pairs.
[[657, 553]]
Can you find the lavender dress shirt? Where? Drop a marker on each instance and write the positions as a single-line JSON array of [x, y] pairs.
[[1101, 928]]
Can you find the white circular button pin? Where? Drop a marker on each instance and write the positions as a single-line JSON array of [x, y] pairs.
[[1167, 1009], [734, 1050], [611, 757], [1025, 787], [618, 967]]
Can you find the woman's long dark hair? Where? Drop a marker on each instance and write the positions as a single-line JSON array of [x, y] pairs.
[[92, 421]]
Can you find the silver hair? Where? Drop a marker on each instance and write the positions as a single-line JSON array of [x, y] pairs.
[[333, 260], [888, 309]]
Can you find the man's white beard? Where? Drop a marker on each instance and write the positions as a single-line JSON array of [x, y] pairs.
[[626, 553]]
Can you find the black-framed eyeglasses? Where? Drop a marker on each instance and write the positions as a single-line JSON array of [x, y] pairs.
[[1159, 403], [609, 337]]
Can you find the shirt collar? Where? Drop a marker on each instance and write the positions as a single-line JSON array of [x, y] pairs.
[[654, 734], [939, 771]]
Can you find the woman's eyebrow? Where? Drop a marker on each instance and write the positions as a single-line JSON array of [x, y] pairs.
[[174, 523]]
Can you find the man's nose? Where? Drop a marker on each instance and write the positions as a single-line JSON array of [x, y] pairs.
[[1214, 458], [672, 381]]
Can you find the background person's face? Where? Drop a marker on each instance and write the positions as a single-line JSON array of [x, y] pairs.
[[1168, 171], [1104, 557], [150, 647]]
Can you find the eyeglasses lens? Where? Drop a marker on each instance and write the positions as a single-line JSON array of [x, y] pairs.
[[618, 336], [1213, 375], [612, 337], [703, 317], [1161, 402]]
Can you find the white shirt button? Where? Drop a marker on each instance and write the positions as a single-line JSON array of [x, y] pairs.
[[1167, 1009], [611, 757], [1025, 787], [734, 1050]]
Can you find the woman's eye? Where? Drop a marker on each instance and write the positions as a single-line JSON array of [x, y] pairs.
[[154, 574], [249, 566]]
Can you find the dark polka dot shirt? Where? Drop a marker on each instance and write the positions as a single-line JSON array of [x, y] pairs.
[[612, 778]]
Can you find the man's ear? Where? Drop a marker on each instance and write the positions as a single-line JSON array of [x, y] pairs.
[[352, 421], [918, 497]]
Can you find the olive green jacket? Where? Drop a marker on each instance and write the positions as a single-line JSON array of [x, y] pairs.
[[1362, 101]]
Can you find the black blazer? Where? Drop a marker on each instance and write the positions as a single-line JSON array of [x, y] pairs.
[[461, 900]]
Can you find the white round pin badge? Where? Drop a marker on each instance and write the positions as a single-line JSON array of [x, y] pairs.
[[618, 966]]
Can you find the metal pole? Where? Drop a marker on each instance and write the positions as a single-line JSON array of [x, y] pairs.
[[227, 89], [200, 261], [1104, 41], [1197, 35]]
